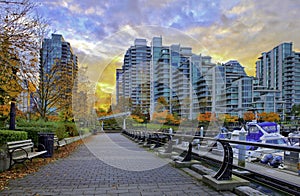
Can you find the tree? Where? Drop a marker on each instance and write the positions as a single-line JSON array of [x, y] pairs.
[[4, 113], [137, 118], [207, 117], [270, 117], [53, 94], [172, 119], [19, 44], [160, 117], [227, 118], [249, 116], [161, 105]]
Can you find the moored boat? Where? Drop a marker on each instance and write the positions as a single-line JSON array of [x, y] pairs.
[[263, 132]]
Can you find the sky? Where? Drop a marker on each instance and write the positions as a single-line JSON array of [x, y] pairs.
[[100, 31]]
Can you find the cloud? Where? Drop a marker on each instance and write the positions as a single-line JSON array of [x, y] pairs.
[[248, 29], [101, 31]]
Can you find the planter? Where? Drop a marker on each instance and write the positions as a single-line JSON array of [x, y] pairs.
[[4, 160]]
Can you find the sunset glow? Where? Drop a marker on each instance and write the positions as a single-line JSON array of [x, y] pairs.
[[101, 31]]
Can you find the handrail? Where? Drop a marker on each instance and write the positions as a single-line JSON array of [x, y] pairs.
[[258, 144], [225, 171]]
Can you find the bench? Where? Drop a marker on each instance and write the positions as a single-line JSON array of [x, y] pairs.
[[20, 151], [59, 143]]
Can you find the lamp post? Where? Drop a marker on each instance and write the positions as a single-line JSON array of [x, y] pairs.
[[12, 115]]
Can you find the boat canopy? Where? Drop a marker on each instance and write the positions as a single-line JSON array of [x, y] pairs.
[[269, 127]]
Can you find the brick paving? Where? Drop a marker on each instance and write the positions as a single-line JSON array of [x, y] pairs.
[[89, 171]]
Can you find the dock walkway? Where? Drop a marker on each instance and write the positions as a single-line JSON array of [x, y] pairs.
[[109, 164]]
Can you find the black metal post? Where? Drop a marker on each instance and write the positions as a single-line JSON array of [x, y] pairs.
[[12, 115]]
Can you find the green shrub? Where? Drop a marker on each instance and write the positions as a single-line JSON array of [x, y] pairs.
[[38, 123], [60, 131], [33, 132], [71, 129], [9, 136]]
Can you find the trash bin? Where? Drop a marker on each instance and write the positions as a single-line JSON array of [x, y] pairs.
[[47, 140], [94, 131]]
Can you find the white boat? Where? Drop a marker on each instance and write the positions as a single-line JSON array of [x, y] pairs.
[[294, 138], [264, 132]]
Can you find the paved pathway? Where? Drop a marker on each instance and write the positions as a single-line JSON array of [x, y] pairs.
[[88, 171]]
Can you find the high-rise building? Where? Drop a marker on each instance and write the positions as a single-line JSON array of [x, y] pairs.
[[203, 85], [291, 81], [189, 84], [175, 71], [263, 98], [133, 80], [59, 63], [278, 73], [224, 88], [163, 72], [238, 89]]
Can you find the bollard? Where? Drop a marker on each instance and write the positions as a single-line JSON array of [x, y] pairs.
[[242, 148], [102, 124], [201, 131], [124, 123]]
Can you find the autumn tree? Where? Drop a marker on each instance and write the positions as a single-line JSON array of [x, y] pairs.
[[19, 46], [4, 113], [161, 105], [140, 116], [54, 88], [270, 117], [138, 119], [160, 117], [173, 119], [249, 116], [227, 118], [207, 117]]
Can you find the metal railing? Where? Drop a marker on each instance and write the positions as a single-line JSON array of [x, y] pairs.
[[225, 171]]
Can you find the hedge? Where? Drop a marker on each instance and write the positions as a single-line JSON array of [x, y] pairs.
[[61, 129], [33, 132], [9, 136], [39, 123]]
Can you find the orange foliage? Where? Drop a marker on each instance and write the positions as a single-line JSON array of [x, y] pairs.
[[229, 119], [4, 110], [137, 118], [101, 113], [172, 120], [165, 117], [19, 113], [207, 117], [53, 118], [249, 116], [160, 117], [271, 117]]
